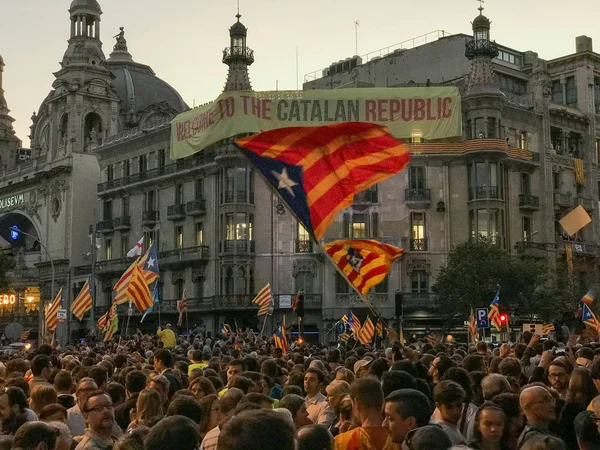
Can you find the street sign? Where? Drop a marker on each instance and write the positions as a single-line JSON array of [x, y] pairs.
[[481, 314], [61, 315], [285, 301]]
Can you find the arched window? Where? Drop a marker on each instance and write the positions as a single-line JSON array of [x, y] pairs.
[[241, 281]]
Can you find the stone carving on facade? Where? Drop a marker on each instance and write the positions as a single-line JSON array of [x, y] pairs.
[[304, 265], [177, 275], [418, 264], [198, 273], [121, 45]]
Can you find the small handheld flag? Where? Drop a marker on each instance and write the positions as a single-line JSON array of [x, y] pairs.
[[472, 326], [263, 300], [83, 302], [494, 314], [52, 312], [589, 319], [589, 298], [137, 250], [182, 307], [547, 329], [367, 332]]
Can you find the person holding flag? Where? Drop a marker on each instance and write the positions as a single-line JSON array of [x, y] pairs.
[[167, 336]]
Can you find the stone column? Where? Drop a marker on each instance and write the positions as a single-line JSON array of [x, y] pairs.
[[73, 21], [97, 32], [84, 26]]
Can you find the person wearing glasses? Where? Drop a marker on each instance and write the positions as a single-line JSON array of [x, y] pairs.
[[100, 417], [538, 405]]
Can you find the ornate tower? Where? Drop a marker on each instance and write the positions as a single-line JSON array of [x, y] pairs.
[[481, 51], [483, 100], [82, 108], [8, 141], [238, 57]]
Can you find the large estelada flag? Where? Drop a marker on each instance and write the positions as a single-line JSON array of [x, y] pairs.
[[494, 313], [83, 302], [52, 311], [365, 263], [318, 170], [280, 338]]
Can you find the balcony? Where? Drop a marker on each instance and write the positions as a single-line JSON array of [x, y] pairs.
[[105, 226], [534, 249], [221, 302], [365, 197], [196, 207], [150, 217], [28, 320], [236, 247], [202, 304], [152, 175], [122, 223], [587, 203], [304, 246], [529, 202], [419, 300], [581, 248], [352, 299], [485, 192], [237, 197], [176, 212], [182, 257], [562, 200], [418, 245], [112, 265], [417, 198]]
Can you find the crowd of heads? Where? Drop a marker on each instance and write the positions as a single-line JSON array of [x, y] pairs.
[[240, 392]]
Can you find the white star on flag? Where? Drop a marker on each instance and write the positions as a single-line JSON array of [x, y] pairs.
[[285, 182], [150, 262]]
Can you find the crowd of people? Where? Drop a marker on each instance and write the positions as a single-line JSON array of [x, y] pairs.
[[240, 392]]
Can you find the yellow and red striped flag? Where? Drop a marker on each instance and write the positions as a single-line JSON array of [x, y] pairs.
[[263, 300], [379, 329], [83, 302], [367, 332], [364, 262], [318, 170], [121, 286], [52, 312], [547, 328], [472, 326], [113, 327], [182, 307], [102, 321], [138, 292]]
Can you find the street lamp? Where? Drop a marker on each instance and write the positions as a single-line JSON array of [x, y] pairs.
[[17, 230]]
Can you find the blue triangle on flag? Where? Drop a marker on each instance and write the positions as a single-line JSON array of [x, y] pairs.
[[287, 180]]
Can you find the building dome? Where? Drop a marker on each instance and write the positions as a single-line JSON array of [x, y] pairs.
[[481, 22], [89, 5], [238, 29], [139, 89]]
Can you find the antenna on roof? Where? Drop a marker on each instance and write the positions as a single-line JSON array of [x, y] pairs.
[[356, 24], [238, 15]]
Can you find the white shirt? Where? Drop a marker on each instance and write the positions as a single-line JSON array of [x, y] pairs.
[[319, 411]]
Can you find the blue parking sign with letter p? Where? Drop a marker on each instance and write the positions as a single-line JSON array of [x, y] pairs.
[[481, 315]]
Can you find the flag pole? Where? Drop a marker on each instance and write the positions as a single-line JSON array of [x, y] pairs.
[[187, 320], [128, 318], [262, 331]]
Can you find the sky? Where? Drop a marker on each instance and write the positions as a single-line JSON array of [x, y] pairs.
[[183, 40]]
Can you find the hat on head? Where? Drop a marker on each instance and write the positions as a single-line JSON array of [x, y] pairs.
[[361, 364], [168, 325]]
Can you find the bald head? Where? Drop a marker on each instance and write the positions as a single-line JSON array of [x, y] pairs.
[[532, 394], [494, 384]]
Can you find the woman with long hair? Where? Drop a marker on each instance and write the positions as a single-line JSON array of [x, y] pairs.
[[201, 387], [40, 396], [336, 391], [13, 403], [211, 413], [491, 428], [148, 409]]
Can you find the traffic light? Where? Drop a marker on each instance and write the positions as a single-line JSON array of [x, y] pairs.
[[504, 320]]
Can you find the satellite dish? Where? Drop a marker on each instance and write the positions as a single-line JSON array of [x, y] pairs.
[[13, 331]]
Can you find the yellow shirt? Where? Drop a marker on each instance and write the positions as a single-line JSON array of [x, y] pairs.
[[359, 439], [167, 337], [196, 366]]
